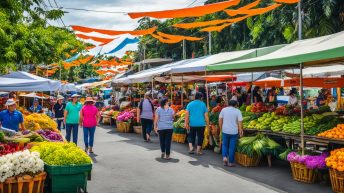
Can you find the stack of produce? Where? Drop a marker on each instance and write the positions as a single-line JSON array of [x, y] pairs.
[[214, 115], [247, 118], [277, 125], [257, 146], [336, 160], [326, 123], [115, 114], [310, 161], [284, 155], [61, 153], [20, 163], [263, 122], [179, 131], [335, 133], [176, 108], [24, 111], [37, 121], [309, 122], [260, 108], [8, 148], [49, 135]]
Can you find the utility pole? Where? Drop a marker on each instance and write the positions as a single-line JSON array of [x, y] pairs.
[[209, 34], [184, 50]]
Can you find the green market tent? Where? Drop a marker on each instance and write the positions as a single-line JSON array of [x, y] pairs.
[[310, 52]]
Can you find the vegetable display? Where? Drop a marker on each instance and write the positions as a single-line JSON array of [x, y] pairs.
[[310, 161], [258, 145], [50, 135], [180, 123], [336, 160], [61, 153], [2, 136], [8, 148], [326, 123], [20, 163]]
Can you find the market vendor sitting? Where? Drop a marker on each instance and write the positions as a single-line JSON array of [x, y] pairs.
[[36, 107], [11, 118]]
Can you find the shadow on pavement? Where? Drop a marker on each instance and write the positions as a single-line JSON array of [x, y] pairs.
[[172, 160]]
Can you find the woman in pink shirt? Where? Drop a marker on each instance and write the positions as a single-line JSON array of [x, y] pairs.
[[89, 117]]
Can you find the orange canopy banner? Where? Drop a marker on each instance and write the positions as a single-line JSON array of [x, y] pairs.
[[252, 12], [235, 12], [97, 39], [85, 60], [220, 78], [216, 28], [169, 36], [166, 41], [197, 11], [307, 82], [287, 1], [200, 24], [114, 32]]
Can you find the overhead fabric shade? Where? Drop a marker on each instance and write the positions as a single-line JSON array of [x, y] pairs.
[[252, 12], [197, 11], [307, 82], [76, 56], [319, 71], [113, 32], [169, 36], [23, 81], [125, 42], [216, 28], [287, 1], [103, 41], [314, 51], [200, 24]]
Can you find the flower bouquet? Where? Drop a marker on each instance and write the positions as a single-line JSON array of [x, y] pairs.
[[123, 121]]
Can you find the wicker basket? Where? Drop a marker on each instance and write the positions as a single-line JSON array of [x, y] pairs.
[[337, 181], [302, 174], [123, 127], [24, 184], [246, 161], [179, 138], [138, 129]]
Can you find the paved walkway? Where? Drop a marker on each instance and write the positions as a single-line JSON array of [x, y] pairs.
[[123, 163]]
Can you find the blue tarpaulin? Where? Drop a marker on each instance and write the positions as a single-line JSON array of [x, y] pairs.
[[76, 56]]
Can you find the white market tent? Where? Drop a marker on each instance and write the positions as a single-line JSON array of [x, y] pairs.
[[320, 71], [23, 81], [32, 95], [68, 87]]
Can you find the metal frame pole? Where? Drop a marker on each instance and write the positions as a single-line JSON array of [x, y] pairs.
[[301, 79], [184, 50], [153, 87], [182, 97], [171, 90], [251, 87], [209, 34], [206, 89]]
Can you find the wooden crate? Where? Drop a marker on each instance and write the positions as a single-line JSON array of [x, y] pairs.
[[246, 161], [302, 174], [24, 184], [337, 181]]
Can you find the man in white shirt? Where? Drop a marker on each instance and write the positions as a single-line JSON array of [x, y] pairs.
[[230, 122]]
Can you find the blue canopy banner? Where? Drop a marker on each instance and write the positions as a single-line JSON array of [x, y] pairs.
[[125, 42]]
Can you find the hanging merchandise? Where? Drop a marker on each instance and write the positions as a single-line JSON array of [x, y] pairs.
[[197, 11], [103, 41], [113, 32]]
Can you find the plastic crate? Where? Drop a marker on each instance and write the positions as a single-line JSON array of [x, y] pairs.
[[67, 179]]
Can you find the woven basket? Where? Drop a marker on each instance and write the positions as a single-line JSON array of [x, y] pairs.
[[302, 174], [24, 184], [179, 138], [337, 180], [246, 161], [138, 129], [123, 127]]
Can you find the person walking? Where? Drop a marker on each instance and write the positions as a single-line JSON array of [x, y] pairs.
[[89, 119], [71, 118], [163, 124], [11, 118], [58, 110], [196, 118], [145, 115], [230, 122]]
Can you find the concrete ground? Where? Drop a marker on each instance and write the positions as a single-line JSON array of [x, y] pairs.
[[123, 163]]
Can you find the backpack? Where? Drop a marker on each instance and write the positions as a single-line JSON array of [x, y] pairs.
[[141, 104]]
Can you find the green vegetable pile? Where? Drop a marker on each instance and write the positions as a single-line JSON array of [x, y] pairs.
[[258, 145], [60, 153], [326, 123], [2, 136]]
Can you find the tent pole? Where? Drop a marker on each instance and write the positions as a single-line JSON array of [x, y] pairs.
[[182, 97], [251, 87], [209, 34], [152, 87], [302, 112], [184, 50], [206, 88], [171, 89], [299, 20]]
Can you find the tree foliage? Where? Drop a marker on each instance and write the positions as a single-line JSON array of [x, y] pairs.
[[27, 38], [320, 17]]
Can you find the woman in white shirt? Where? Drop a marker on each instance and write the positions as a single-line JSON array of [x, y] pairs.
[[292, 99]]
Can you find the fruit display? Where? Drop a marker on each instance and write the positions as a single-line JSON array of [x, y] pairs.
[[258, 145], [336, 160], [37, 121], [23, 110], [61, 153], [214, 115], [334, 133], [176, 108], [7, 148], [263, 122], [180, 123], [277, 125], [309, 122], [50, 135], [326, 123], [310, 161]]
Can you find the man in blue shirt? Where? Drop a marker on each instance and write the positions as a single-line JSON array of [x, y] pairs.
[[196, 118], [11, 118], [35, 108]]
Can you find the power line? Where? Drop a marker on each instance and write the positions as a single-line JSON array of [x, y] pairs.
[[192, 3], [60, 17], [89, 10]]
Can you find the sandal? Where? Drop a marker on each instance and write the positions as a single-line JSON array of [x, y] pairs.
[[225, 161], [167, 157], [191, 152], [162, 156]]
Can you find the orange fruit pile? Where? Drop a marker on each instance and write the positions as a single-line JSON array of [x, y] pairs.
[[335, 133], [336, 160]]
